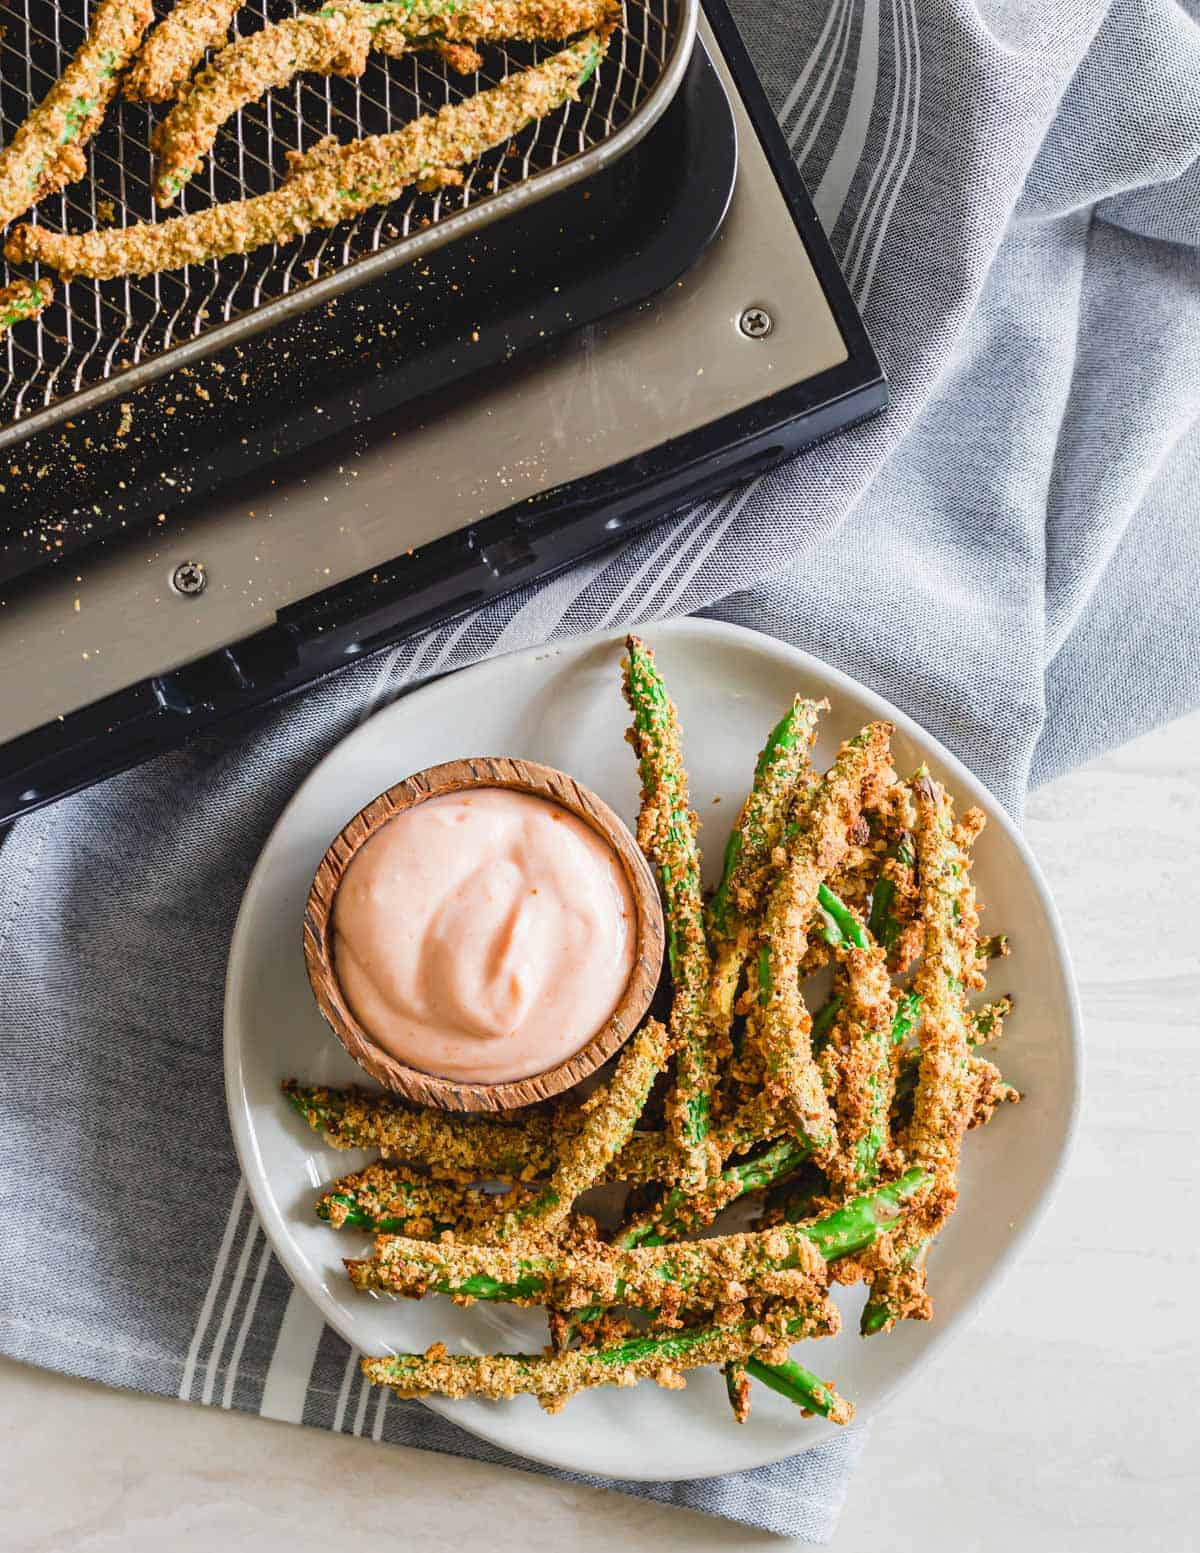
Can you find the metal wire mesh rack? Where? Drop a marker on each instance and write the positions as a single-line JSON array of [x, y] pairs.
[[103, 338]]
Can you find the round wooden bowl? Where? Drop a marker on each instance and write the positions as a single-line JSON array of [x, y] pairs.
[[484, 771]]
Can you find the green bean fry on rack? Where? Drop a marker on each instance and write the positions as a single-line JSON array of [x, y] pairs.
[[328, 183], [336, 40], [24, 299], [176, 46], [47, 151], [836, 1130]]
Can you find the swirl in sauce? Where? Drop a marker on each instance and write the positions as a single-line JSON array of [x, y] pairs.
[[484, 936]]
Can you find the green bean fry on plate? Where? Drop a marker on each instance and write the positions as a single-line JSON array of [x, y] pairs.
[[831, 1123]]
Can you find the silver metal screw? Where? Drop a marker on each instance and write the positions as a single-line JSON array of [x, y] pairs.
[[756, 323], [189, 577]]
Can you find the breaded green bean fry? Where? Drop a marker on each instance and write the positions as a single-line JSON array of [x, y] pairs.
[[46, 153], [944, 1100], [780, 1261], [609, 1116], [326, 185], [176, 47], [858, 1061], [386, 1199], [667, 835], [782, 763], [779, 1024], [24, 299], [716, 1271], [336, 40], [944, 1095], [521, 1147], [554, 1378]]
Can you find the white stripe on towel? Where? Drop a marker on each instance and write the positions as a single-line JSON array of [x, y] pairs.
[[288, 1374], [214, 1283]]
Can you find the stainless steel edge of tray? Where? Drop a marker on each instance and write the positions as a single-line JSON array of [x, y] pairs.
[[178, 303]]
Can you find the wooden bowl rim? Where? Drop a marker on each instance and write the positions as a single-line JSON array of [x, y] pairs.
[[540, 781]]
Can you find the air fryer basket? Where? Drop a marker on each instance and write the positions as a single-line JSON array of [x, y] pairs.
[[101, 339]]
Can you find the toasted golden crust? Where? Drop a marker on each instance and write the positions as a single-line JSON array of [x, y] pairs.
[[326, 185], [724, 1271], [554, 1378], [947, 1087], [587, 1154], [779, 1024], [336, 40], [387, 1198], [857, 1065], [733, 912], [666, 833], [176, 47], [514, 1146], [991, 1092], [945, 1091], [24, 299], [864, 1206], [46, 153]]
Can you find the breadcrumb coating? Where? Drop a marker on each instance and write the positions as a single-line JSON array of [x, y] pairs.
[[857, 1065], [666, 833], [24, 299], [991, 1091], [554, 1378], [386, 1198], [782, 766], [46, 153], [326, 185], [946, 1089], [779, 1024], [862, 1200], [723, 1270], [513, 1146], [608, 1118], [176, 47], [336, 40]]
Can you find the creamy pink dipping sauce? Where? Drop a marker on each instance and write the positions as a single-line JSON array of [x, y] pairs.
[[484, 935]]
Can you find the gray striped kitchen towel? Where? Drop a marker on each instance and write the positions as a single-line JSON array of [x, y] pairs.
[[1012, 555]]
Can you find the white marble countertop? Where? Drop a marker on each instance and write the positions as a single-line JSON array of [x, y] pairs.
[[1064, 1421]]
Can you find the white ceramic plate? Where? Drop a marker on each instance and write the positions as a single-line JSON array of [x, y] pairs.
[[563, 706]]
